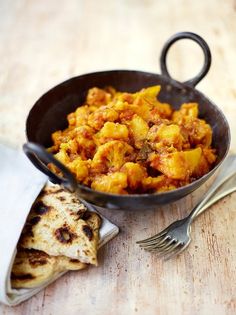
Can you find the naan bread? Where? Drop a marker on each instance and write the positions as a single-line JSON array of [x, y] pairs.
[[59, 232], [32, 267], [58, 225]]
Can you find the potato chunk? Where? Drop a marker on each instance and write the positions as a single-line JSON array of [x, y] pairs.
[[112, 183], [168, 135], [158, 184], [81, 143], [146, 101], [177, 165], [139, 129], [112, 131]]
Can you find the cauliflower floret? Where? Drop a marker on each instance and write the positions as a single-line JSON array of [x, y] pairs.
[[62, 156], [98, 97], [186, 109], [80, 116], [80, 168], [101, 115], [111, 183], [111, 156], [85, 142], [199, 132], [81, 142], [71, 148], [135, 174], [59, 137], [112, 131], [163, 109], [120, 105], [154, 117]]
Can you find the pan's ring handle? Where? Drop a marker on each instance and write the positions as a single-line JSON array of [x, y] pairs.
[[40, 157], [199, 40]]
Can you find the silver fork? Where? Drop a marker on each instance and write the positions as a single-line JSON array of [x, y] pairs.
[[176, 237]]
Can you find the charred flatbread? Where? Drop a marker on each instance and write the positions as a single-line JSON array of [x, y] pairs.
[[60, 225], [32, 267]]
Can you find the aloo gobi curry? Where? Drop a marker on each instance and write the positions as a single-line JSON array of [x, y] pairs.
[[131, 143]]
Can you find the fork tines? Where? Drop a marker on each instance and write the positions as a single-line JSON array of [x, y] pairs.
[[161, 243]]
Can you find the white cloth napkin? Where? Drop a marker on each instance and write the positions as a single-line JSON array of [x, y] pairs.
[[20, 184]]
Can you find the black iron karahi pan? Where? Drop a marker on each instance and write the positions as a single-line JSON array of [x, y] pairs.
[[50, 111]]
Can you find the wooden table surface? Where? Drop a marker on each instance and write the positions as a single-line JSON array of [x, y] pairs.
[[45, 42]]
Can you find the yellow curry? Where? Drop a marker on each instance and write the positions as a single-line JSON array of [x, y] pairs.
[[127, 143]]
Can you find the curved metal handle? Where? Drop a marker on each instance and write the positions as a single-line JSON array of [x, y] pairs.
[[40, 157], [199, 40]]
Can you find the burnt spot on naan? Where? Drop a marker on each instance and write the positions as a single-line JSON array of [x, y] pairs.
[[86, 215], [40, 208], [86, 252], [59, 229], [57, 191], [24, 276], [74, 260], [80, 213], [88, 231], [27, 232], [77, 214], [34, 220], [61, 198], [36, 257], [74, 200], [64, 235], [33, 267], [28, 228], [49, 190]]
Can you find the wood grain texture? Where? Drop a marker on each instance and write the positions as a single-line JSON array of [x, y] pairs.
[[45, 42]]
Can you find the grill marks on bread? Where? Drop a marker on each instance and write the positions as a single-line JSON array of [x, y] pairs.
[[40, 208], [60, 224], [33, 268], [64, 235], [88, 232], [60, 234]]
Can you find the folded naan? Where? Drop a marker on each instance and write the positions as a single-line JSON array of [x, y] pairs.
[[60, 225], [32, 268]]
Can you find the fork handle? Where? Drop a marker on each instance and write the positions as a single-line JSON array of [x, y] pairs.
[[224, 184], [226, 189]]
